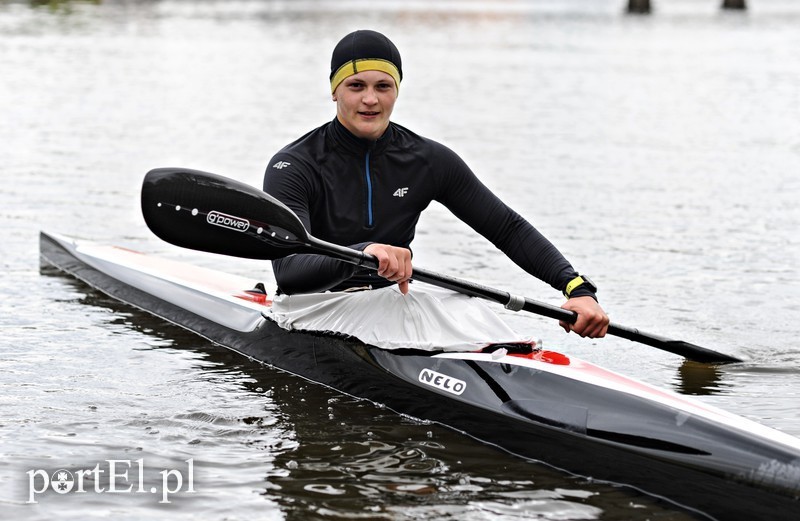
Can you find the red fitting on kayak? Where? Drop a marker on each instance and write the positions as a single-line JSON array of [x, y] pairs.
[[258, 295], [550, 357]]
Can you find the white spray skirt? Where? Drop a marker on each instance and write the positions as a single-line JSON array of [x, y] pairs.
[[428, 318]]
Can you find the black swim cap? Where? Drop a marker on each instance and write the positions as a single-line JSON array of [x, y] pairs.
[[365, 51]]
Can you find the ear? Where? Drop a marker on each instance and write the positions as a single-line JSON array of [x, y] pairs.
[[334, 98]]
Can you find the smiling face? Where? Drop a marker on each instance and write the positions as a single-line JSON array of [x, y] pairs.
[[364, 103]]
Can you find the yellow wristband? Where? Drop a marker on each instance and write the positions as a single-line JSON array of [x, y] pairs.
[[571, 285]]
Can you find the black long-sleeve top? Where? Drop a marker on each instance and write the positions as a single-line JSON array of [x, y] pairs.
[[354, 192]]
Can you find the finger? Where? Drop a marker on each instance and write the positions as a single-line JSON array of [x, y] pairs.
[[382, 258], [601, 330], [565, 325], [598, 328], [592, 332], [408, 269], [392, 268], [601, 325], [580, 326], [403, 286], [592, 329]]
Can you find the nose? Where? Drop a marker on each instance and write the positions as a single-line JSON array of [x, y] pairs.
[[370, 97]]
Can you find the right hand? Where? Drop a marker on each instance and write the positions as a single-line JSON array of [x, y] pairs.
[[393, 263], [592, 320]]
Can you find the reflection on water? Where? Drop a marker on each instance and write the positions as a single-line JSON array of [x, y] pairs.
[[62, 6], [699, 379]]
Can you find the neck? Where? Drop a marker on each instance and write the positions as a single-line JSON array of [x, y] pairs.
[[346, 136]]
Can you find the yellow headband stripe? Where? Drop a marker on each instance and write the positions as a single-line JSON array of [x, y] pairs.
[[365, 64]]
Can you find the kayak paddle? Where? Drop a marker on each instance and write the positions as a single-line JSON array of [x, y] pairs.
[[215, 214]]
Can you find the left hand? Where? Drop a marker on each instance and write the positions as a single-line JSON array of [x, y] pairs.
[[592, 320]]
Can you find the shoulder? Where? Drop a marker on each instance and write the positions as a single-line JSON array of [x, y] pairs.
[[307, 144], [405, 138], [301, 154]]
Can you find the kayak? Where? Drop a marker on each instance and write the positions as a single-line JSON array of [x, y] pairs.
[[534, 403]]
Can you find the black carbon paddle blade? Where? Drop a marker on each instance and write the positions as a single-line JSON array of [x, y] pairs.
[[679, 347], [696, 353], [211, 213]]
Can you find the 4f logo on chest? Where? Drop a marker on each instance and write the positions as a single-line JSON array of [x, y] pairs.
[[400, 192]]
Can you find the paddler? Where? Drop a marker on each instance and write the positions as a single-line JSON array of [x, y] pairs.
[[362, 180]]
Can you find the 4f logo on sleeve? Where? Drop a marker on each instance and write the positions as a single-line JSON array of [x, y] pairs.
[[400, 192], [280, 165]]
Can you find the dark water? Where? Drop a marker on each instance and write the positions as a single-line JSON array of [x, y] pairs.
[[660, 153]]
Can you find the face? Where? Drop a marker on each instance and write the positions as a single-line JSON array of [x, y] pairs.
[[364, 102]]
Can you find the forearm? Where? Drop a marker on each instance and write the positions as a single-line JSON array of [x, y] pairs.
[[477, 206], [534, 253], [310, 273]]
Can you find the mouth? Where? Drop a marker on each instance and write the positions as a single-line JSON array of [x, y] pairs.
[[368, 113]]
